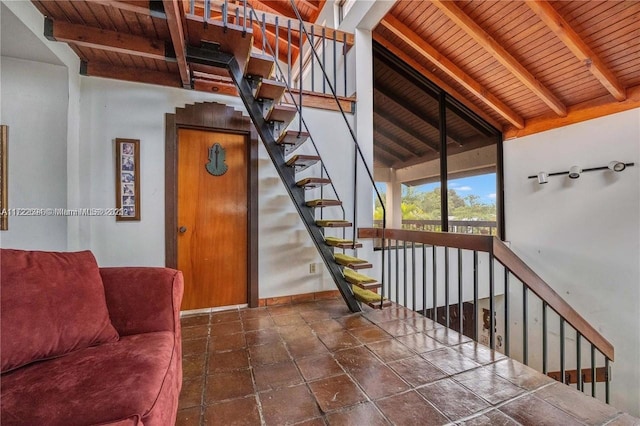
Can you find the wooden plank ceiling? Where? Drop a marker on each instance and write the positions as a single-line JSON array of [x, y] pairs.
[[144, 41], [524, 67]]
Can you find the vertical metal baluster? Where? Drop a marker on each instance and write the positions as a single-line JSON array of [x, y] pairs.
[[579, 383], [506, 311], [404, 270], [413, 276], [492, 308], [263, 28], [289, 52], [593, 370], [397, 272], [545, 368], [244, 20], [562, 366], [300, 76], [237, 20], [344, 56], [607, 383], [460, 316], [434, 312], [447, 315], [278, 44], [207, 12], [525, 328], [192, 7], [424, 280], [389, 271], [313, 57], [324, 59], [335, 59], [475, 295]]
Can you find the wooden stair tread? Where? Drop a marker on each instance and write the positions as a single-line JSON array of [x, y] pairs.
[[324, 203], [344, 259], [333, 223], [313, 182], [260, 65], [292, 137], [270, 89], [283, 113], [372, 299], [341, 242], [301, 162], [356, 278]]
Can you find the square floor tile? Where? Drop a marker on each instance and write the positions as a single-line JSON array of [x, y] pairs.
[[339, 340], [519, 374], [259, 323], [397, 328], [293, 319], [261, 337], [422, 324], [336, 392], [288, 405], [274, 376], [271, 353], [390, 350], [449, 360], [370, 333], [228, 385], [363, 414], [379, 381], [189, 417], [447, 336], [420, 343], [452, 399], [318, 367], [491, 418], [354, 321], [223, 317], [488, 386], [193, 366], [227, 342], [479, 353], [191, 393], [254, 313], [530, 410], [295, 332], [307, 346], [327, 326], [225, 328], [197, 332], [417, 371], [194, 320], [410, 409], [243, 411], [227, 361], [194, 346]]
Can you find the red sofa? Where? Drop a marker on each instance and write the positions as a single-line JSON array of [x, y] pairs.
[[83, 345]]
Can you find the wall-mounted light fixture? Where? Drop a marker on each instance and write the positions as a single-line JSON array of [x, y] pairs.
[[575, 171]]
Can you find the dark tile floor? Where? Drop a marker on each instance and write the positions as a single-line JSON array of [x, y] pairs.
[[315, 363]]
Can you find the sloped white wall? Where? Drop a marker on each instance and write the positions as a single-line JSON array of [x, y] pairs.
[[583, 236]]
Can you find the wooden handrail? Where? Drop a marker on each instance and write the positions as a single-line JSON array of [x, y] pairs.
[[526, 275], [512, 262]]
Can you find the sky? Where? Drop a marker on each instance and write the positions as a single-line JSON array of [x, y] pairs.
[[483, 186]]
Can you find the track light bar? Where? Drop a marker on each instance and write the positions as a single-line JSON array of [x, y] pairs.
[[575, 171]]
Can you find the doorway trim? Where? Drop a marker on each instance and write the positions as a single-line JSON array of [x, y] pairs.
[[211, 116]]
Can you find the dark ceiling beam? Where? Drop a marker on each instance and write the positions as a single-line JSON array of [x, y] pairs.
[[404, 104], [580, 49], [381, 121], [388, 146], [456, 149], [111, 41], [383, 157], [391, 142], [136, 75], [141, 7], [175, 15], [274, 6], [488, 43], [428, 52]]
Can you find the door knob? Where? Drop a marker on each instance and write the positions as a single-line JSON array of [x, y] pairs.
[[182, 229]]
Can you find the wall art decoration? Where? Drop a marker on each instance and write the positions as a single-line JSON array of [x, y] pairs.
[[4, 213], [128, 179]]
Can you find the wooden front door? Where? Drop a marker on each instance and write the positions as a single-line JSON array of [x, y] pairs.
[[212, 218]]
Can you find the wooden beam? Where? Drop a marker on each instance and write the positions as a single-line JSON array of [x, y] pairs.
[[386, 151], [136, 75], [476, 32], [435, 79], [381, 122], [311, 4], [583, 52], [212, 86], [141, 7], [321, 101], [584, 111], [175, 17], [430, 53], [111, 41]]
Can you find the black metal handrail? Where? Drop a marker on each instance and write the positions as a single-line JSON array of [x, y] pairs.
[[356, 144]]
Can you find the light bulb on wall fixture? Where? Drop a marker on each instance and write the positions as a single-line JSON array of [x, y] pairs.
[[617, 166], [574, 172], [543, 177]]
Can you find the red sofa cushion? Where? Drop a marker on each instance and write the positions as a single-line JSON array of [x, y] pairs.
[[105, 384], [51, 304]]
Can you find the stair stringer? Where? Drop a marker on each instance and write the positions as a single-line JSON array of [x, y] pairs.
[[276, 153]]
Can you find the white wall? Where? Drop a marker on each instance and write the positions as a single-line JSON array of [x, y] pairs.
[[583, 236], [34, 106]]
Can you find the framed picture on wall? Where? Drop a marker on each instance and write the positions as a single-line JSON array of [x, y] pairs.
[[4, 213], [128, 179]]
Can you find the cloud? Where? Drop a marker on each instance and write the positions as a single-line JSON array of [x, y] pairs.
[[464, 188], [492, 196]]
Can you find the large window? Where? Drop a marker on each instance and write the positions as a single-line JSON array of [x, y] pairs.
[[443, 159]]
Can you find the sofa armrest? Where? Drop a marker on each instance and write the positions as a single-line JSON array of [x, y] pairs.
[[143, 300]]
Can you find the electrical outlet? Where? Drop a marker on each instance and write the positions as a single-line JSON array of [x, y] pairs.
[[313, 268]]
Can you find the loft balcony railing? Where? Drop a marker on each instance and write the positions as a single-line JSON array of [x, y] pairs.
[[475, 284], [476, 227]]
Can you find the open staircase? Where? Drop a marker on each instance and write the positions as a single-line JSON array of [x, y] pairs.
[[228, 46]]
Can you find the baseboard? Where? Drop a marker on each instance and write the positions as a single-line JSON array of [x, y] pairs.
[[299, 298]]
